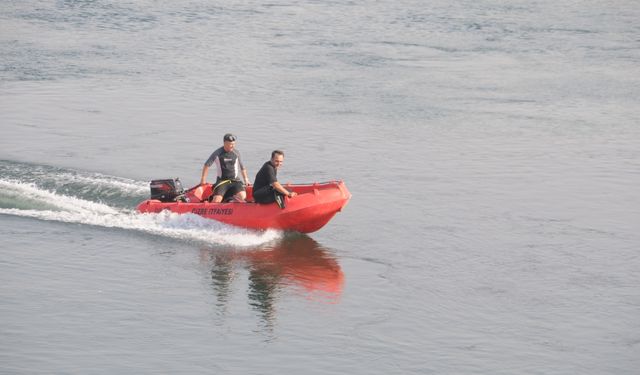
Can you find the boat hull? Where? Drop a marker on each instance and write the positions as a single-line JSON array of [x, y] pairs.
[[314, 206]]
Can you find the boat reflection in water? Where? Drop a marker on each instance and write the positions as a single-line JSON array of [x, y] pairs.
[[295, 264]]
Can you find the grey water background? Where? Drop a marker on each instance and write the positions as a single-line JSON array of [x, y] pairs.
[[492, 149]]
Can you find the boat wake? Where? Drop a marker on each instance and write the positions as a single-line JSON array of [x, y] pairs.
[[54, 194]]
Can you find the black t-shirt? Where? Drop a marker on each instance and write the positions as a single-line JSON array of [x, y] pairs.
[[266, 176]]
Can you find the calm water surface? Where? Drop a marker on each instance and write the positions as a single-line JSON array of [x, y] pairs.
[[491, 149]]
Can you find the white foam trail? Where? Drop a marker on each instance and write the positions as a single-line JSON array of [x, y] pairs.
[[30, 193], [45, 205], [40, 173], [128, 186]]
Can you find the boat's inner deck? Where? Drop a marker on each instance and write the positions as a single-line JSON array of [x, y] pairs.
[[203, 192]]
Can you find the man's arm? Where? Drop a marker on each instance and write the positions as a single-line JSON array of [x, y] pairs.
[[245, 176], [207, 164], [203, 178], [279, 188]]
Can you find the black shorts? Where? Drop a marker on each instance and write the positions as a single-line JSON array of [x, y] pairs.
[[266, 194], [228, 188]]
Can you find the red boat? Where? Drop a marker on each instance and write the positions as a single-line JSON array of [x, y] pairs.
[[307, 212]]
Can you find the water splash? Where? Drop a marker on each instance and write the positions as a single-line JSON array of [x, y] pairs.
[[53, 194], [115, 191]]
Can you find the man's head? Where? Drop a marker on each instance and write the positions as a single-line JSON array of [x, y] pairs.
[[229, 141], [277, 158]]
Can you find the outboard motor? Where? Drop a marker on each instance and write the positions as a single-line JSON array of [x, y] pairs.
[[169, 190]]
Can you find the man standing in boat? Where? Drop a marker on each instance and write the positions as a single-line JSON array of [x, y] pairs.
[[229, 167], [267, 189]]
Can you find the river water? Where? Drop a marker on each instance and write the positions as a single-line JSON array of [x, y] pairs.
[[491, 147]]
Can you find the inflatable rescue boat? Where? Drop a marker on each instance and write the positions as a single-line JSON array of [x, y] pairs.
[[306, 212]]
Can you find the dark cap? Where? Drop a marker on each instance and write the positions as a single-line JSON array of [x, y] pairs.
[[229, 137]]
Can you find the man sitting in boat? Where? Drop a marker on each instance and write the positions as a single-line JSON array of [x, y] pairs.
[[266, 188], [228, 163]]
